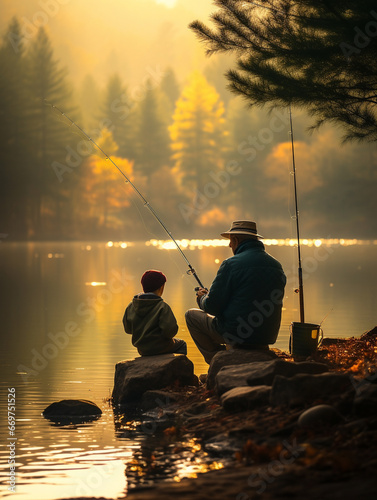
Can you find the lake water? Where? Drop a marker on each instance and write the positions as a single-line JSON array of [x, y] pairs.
[[61, 336]]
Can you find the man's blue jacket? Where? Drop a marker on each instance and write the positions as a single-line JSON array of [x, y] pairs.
[[246, 296]]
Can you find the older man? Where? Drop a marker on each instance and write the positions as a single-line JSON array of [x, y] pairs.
[[243, 305]]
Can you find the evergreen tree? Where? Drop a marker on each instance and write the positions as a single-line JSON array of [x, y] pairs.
[[104, 198], [46, 83], [152, 138], [169, 86], [317, 54], [117, 115], [249, 186], [14, 177], [89, 102], [198, 133]]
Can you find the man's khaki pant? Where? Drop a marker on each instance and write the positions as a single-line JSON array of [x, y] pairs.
[[203, 333]]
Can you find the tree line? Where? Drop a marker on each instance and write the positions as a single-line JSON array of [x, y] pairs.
[[201, 159]]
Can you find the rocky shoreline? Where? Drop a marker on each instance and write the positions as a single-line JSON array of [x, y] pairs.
[[292, 428]]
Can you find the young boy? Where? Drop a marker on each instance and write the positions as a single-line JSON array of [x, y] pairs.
[[150, 320]]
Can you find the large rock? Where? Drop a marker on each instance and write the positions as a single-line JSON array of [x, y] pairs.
[[232, 376], [287, 369], [262, 373], [235, 357], [304, 388], [71, 410], [246, 398], [134, 377]]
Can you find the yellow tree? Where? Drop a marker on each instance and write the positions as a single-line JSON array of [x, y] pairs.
[[105, 193], [198, 133]]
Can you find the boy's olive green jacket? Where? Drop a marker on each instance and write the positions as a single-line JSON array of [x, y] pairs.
[[151, 323]]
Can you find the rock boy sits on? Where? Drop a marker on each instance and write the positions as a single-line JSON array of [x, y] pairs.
[[243, 305]]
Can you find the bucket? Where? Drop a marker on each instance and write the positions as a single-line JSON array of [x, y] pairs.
[[304, 339]]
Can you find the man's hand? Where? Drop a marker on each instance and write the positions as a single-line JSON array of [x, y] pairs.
[[201, 292]]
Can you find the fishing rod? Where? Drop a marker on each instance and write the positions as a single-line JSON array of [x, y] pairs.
[[300, 282], [146, 203]]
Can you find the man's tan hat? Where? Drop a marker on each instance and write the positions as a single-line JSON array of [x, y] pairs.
[[242, 227]]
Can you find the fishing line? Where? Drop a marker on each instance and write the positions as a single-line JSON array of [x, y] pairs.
[[145, 202], [135, 205], [146, 228], [151, 233], [331, 310]]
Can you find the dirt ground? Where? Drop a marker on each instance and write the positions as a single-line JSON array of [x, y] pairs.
[[278, 458], [328, 462]]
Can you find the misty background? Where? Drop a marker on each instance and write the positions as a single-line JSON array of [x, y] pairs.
[[135, 78]]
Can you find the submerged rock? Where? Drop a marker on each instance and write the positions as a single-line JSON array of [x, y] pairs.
[[304, 388], [134, 377], [246, 398], [235, 357], [72, 410], [262, 373]]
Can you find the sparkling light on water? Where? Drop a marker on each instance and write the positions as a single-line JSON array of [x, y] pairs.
[[287, 242]]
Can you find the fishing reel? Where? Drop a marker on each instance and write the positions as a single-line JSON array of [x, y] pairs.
[[191, 271]]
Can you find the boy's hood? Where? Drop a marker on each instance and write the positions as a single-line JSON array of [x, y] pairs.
[[143, 302]]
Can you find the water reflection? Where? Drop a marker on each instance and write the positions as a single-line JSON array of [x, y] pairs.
[[71, 422], [153, 462], [161, 454], [62, 334]]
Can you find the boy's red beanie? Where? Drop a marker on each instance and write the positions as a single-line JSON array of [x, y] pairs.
[[152, 280]]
